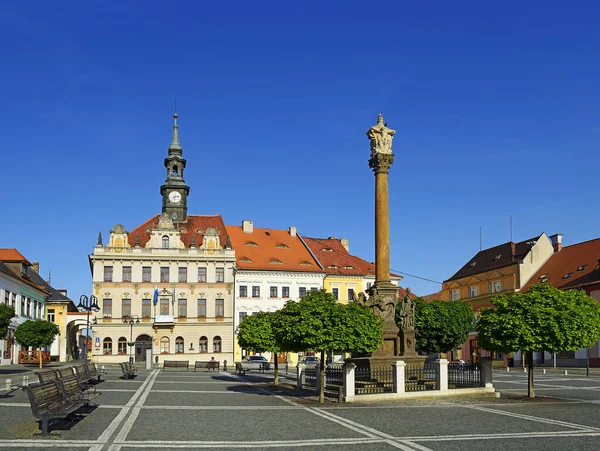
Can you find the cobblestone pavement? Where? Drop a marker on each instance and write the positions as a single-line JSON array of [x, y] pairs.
[[180, 410]]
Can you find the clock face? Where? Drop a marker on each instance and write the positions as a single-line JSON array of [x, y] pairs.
[[174, 197]]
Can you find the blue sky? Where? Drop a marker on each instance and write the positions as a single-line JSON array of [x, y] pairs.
[[496, 109]]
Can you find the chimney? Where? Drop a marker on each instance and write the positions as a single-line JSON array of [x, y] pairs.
[[36, 267], [62, 291], [247, 226], [293, 231], [346, 244], [556, 241]]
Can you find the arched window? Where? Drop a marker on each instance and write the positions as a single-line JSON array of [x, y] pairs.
[[217, 344], [165, 242], [175, 170], [179, 345], [107, 346], [165, 345], [203, 344], [122, 346]]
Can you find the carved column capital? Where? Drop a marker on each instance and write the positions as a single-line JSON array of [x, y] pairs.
[[381, 162]]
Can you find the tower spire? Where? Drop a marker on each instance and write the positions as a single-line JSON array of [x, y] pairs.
[[175, 145]]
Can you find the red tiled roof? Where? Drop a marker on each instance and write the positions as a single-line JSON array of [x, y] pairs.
[[191, 226], [12, 255], [432, 297], [568, 260], [270, 250], [336, 259]]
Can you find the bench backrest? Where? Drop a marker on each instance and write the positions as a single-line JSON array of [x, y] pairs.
[[69, 386], [46, 376], [82, 372], [176, 363], [65, 372], [238, 366], [91, 370], [43, 396]]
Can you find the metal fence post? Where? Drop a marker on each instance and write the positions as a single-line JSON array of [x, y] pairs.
[[441, 375], [300, 375], [349, 380], [399, 369]]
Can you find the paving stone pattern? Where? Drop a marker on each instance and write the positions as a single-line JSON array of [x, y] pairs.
[[220, 411]]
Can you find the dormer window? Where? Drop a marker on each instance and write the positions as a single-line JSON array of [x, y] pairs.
[[305, 263], [251, 243], [567, 275], [326, 249], [245, 259], [165, 242], [276, 262], [472, 264], [281, 246], [332, 266], [581, 268], [497, 257], [348, 267]]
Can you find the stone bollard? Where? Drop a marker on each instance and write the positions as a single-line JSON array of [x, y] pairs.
[[524, 370], [7, 384], [225, 365], [544, 371], [507, 369], [25, 381], [566, 373]]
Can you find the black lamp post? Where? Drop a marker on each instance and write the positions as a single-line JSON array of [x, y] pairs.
[[131, 320], [87, 305]]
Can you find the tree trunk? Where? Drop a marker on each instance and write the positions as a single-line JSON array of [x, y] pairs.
[[276, 372], [530, 389], [322, 378], [40, 357]]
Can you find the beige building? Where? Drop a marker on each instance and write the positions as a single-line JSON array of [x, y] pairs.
[[171, 279]]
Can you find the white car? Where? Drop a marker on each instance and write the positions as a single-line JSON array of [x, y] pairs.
[[310, 361], [255, 362]]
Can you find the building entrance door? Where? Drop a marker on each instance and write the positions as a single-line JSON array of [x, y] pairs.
[[142, 343]]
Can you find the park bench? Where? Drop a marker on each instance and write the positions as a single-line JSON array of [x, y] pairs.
[[128, 370], [64, 372], [47, 402], [208, 365], [83, 374], [92, 371], [176, 364], [240, 369], [72, 390]]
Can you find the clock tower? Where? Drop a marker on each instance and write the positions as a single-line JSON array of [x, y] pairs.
[[175, 192]]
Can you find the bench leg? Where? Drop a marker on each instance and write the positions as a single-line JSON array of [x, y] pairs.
[[44, 426]]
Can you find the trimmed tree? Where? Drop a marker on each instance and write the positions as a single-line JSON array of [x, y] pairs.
[[441, 326], [542, 319], [318, 322], [256, 333], [6, 314], [37, 334]]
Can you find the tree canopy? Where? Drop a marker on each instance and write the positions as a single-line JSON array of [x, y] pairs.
[[36, 334], [441, 326], [6, 314], [541, 319]]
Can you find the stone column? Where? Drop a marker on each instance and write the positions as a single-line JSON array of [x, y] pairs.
[[441, 375], [380, 163], [486, 372], [399, 369], [349, 380]]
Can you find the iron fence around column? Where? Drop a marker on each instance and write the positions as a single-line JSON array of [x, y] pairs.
[[419, 378], [370, 381], [310, 377], [465, 375]]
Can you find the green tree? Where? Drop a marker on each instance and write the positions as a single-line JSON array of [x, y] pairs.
[[37, 334], [6, 314], [542, 319], [441, 326], [256, 333], [318, 322]]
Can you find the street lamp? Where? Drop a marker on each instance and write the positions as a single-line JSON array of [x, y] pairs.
[[131, 320], [87, 305]]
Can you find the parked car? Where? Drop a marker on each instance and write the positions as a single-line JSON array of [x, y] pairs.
[[310, 361], [255, 362]]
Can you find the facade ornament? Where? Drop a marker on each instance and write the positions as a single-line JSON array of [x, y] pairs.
[[193, 243], [192, 288], [381, 137], [229, 287], [382, 306], [99, 238], [165, 222], [137, 240], [228, 242], [407, 312]]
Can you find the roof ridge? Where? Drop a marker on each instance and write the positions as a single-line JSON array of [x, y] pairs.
[[581, 242]]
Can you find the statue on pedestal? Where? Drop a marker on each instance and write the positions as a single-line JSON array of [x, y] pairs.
[[381, 137]]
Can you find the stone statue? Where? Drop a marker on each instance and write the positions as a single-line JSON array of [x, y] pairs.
[[381, 137], [407, 312], [383, 307], [165, 222]]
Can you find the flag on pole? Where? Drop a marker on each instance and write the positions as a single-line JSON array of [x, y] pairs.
[[155, 296]]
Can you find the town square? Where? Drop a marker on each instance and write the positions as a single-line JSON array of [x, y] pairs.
[[274, 226]]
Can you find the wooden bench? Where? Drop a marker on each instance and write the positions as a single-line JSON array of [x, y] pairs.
[[47, 402], [240, 369], [176, 364], [128, 370], [208, 365], [72, 390]]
